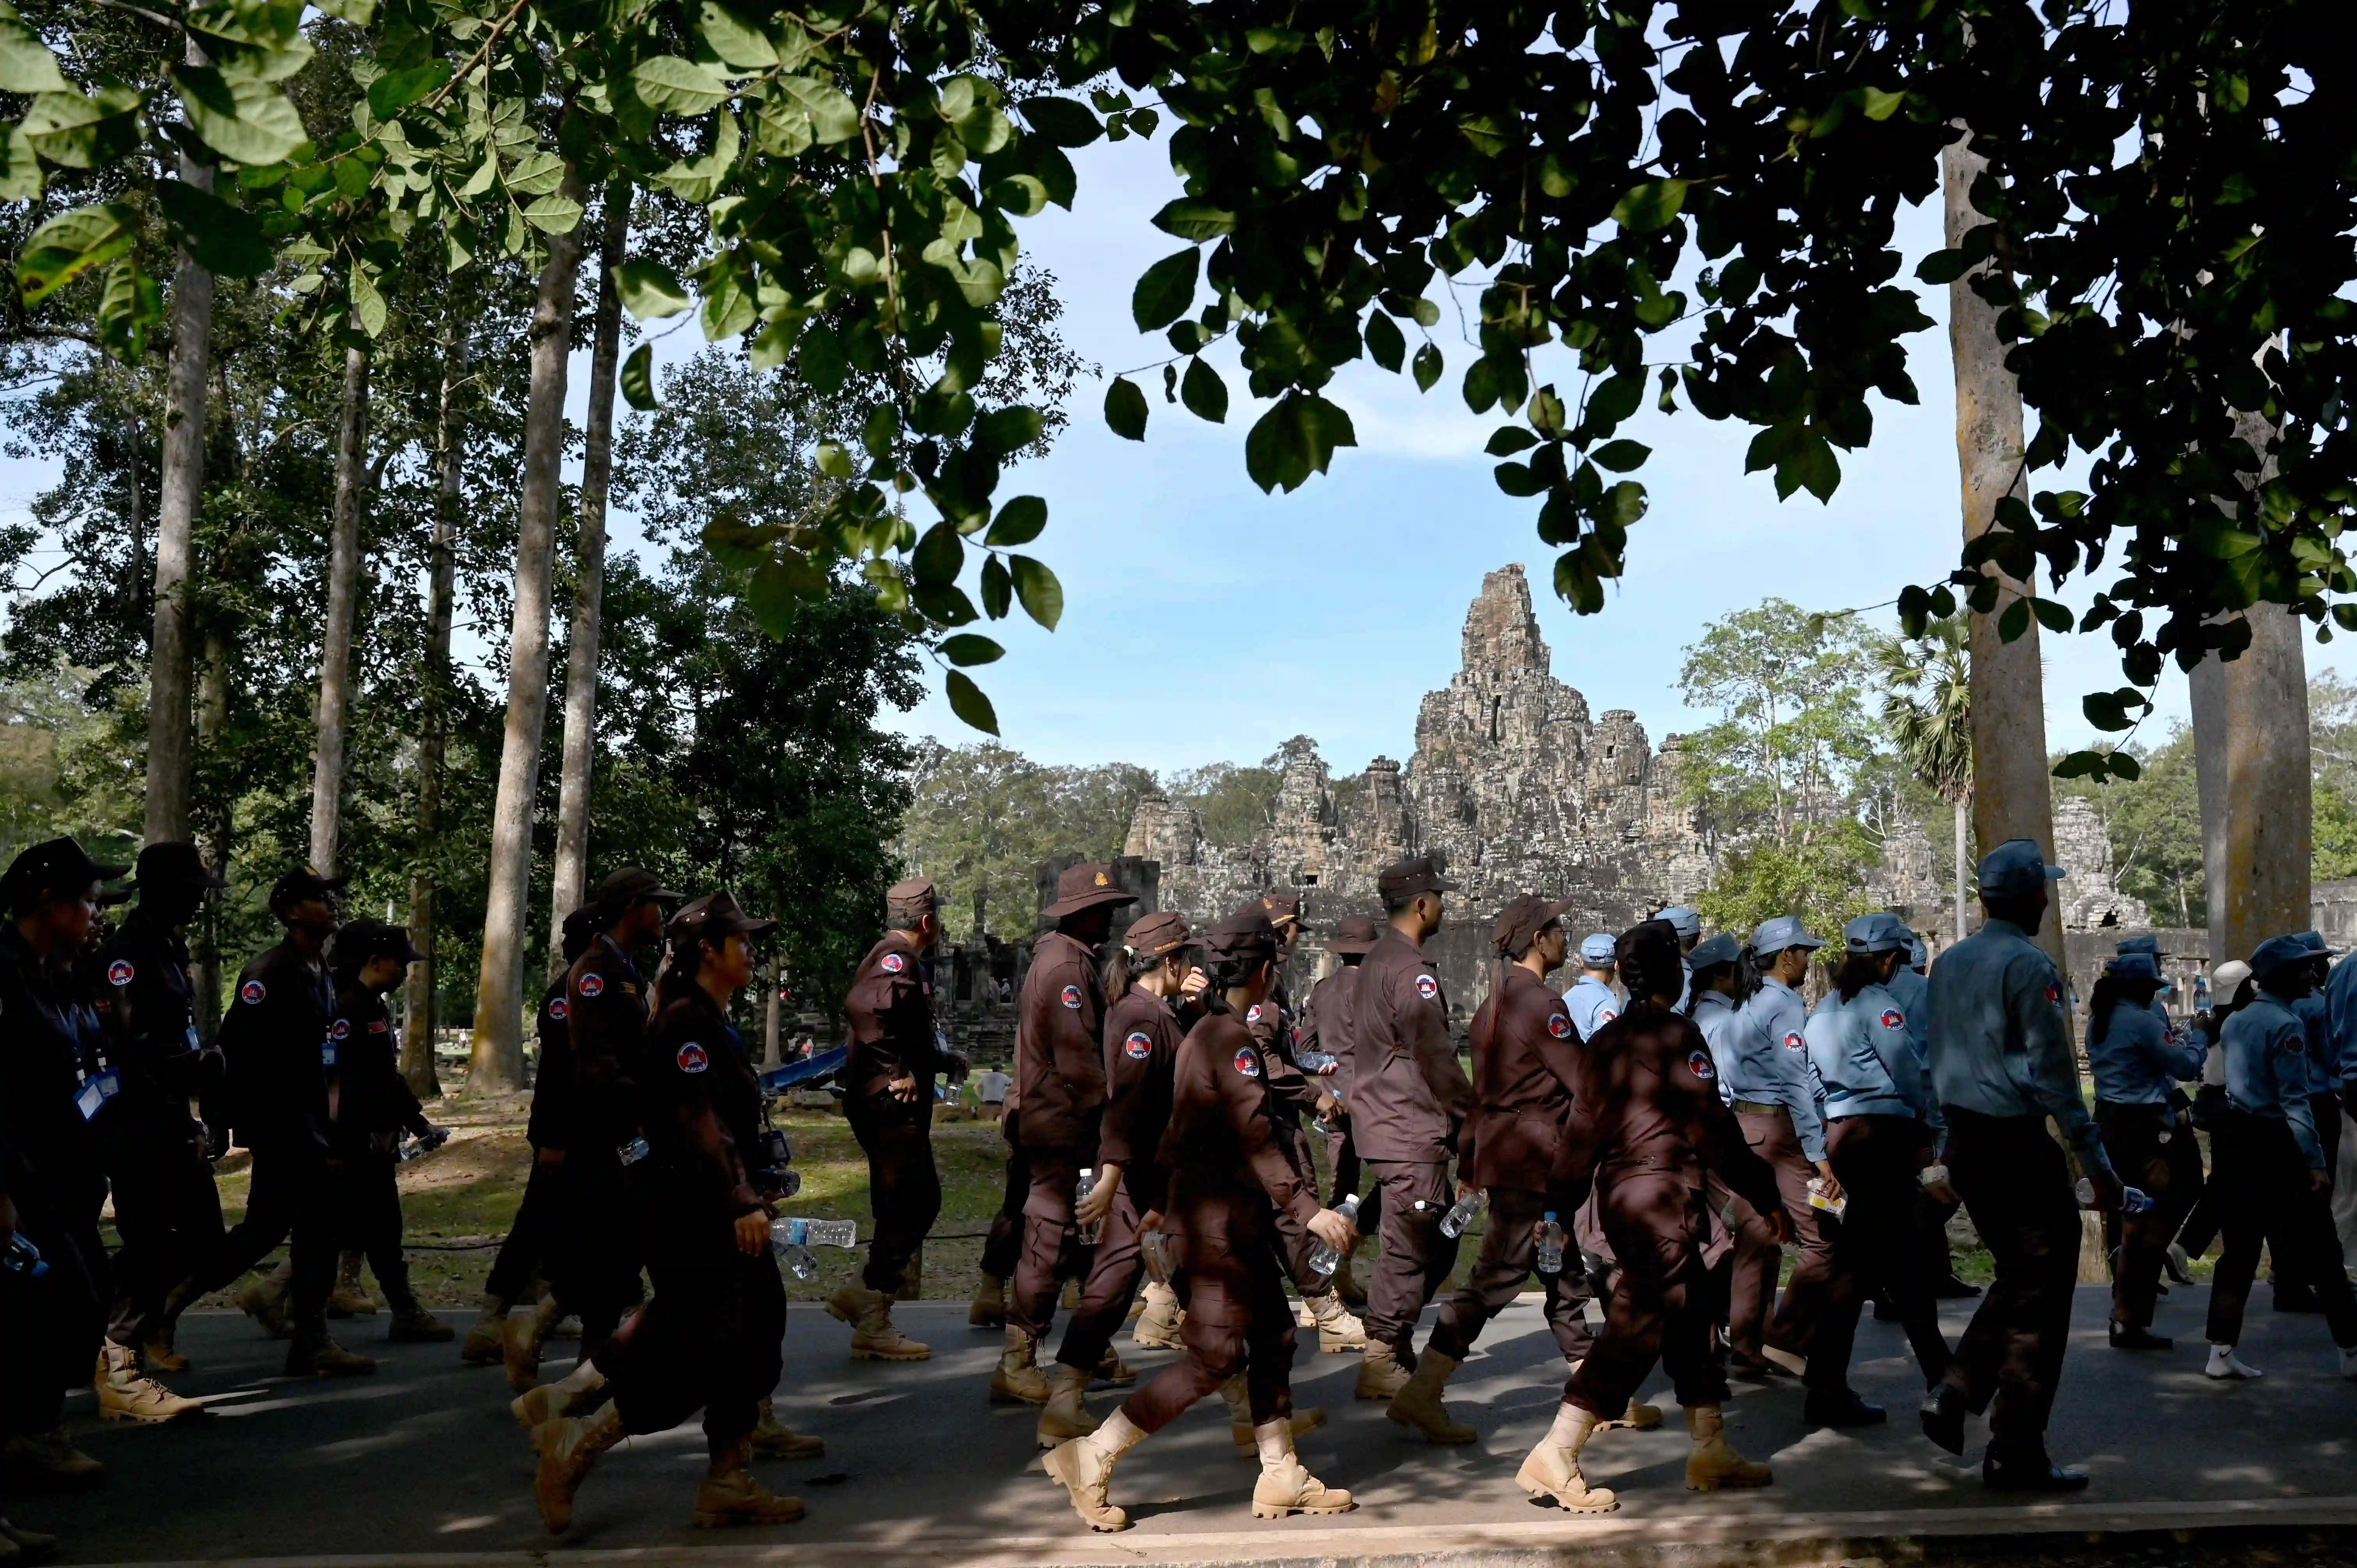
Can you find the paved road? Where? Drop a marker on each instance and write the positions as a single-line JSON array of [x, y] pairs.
[[420, 1463]]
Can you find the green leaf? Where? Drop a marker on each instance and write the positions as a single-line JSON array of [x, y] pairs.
[[2014, 621], [1295, 439], [367, 303], [2125, 767], [968, 703], [1205, 393], [1191, 220], [535, 174], [396, 90], [678, 86], [1651, 206], [737, 40], [940, 556], [997, 588], [77, 131], [226, 240], [1622, 456], [1385, 346], [2052, 614], [1003, 431], [1019, 522], [2083, 765], [20, 166], [1042, 596], [70, 244], [1124, 409], [650, 290], [1509, 439], [835, 460], [638, 379], [245, 121], [1060, 122], [554, 214], [1943, 266], [1426, 367], [971, 648], [129, 307], [1881, 105], [833, 118], [26, 65], [1163, 294]]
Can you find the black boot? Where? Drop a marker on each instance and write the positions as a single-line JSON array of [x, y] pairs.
[[2032, 1472], [1943, 1414], [1841, 1407], [2129, 1336]]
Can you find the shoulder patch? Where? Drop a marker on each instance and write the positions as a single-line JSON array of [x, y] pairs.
[[1605, 1016], [1252, 1013], [1138, 1046], [1072, 998], [341, 1029], [1793, 1040], [252, 993], [1248, 1063], [1699, 1064], [379, 1026], [892, 963], [1559, 1025], [1428, 987], [692, 1058], [593, 984], [2053, 991], [1893, 1018], [120, 972], [557, 1009]]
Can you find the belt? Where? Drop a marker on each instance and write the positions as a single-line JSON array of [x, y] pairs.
[[1759, 1108]]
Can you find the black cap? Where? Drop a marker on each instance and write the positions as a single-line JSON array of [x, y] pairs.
[[1245, 935], [579, 930], [298, 885], [713, 917], [632, 883], [54, 866], [174, 863], [1356, 934], [1418, 874], [364, 939]]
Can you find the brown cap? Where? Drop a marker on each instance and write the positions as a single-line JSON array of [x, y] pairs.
[[1158, 936], [1520, 922], [1418, 874], [1085, 886], [1246, 935], [714, 917], [364, 939], [917, 896], [1357, 933], [629, 885], [300, 886], [1279, 904]]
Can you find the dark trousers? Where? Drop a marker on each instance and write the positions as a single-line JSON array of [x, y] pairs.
[[1046, 1227], [2264, 1193], [168, 1213], [1876, 1245], [1758, 1259], [1294, 1241], [289, 1200], [2016, 1188], [1664, 1302], [590, 1226], [2152, 1151], [904, 1189], [1416, 1258], [367, 1205], [709, 1340], [521, 1255], [1932, 1246], [1237, 1321], [1002, 1248], [1509, 1254], [1118, 1263], [51, 1328]]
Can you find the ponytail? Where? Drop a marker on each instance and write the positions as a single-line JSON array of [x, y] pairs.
[[2100, 1002]]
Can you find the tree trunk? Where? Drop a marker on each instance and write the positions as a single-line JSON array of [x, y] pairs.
[[773, 1017], [419, 1020], [343, 613], [171, 756], [212, 717], [1963, 811], [589, 568], [496, 1059], [2012, 791]]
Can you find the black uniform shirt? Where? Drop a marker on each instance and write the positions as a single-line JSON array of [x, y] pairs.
[[553, 1097], [274, 1037], [49, 1037], [703, 1109], [373, 1103], [143, 997]]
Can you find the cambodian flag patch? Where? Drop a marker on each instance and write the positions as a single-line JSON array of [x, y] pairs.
[[691, 1057], [1252, 1013], [593, 985], [1072, 997], [893, 964], [1605, 1016], [379, 1026], [1426, 987], [119, 973], [252, 993], [1793, 1042], [341, 1029], [558, 1010], [1138, 1046], [1248, 1064], [2053, 991], [1699, 1064], [1893, 1018], [1558, 1025]]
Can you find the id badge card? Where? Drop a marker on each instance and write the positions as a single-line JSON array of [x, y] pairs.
[[96, 1090], [328, 1053]]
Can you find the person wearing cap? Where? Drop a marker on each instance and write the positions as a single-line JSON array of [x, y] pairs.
[[2324, 1099], [1648, 1128], [371, 1107], [1409, 1102], [1688, 923], [1742, 1053], [2230, 991], [1327, 1027], [710, 1338], [1153, 992], [1226, 1168], [1775, 1098], [2268, 1175], [2001, 1065], [1060, 1081], [1881, 1131], [2138, 1061], [167, 1209], [1908, 983], [1591, 999], [887, 1083]]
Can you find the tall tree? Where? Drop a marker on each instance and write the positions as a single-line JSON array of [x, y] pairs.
[[433, 730], [1791, 691], [1927, 706], [334, 712]]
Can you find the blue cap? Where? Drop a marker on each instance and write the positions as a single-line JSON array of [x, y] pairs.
[[1876, 933], [1598, 950], [1784, 931], [2139, 944], [2315, 941], [2133, 966], [2016, 869], [1917, 955], [1720, 949], [2277, 952], [1685, 922]]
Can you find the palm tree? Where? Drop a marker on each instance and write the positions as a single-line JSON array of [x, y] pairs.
[[1927, 703]]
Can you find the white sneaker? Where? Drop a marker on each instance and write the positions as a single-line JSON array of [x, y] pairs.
[[2225, 1366]]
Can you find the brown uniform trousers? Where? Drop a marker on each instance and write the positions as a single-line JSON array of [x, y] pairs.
[[1004, 1244], [1416, 1259], [2261, 1186], [1116, 1263], [1875, 1245], [1509, 1255], [1751, 1290], [904, 1188], [2150, 1151], [1665, 1301]]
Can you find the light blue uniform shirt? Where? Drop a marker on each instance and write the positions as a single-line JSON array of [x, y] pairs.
[[2138, 1061], [2266, 1074], [2340, 1009], [1737, 1048], [1784, 1018], [1865, 1058], [1592, 1006], [2322, 1064], [2000, 1042], [1913, 994]]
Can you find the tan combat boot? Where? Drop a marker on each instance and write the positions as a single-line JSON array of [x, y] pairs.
[[1638, 1417], [1017, 1378], [774, 1440], [413, 1325], [31, 1546], [522, 1339], [1347, 1286], [567, 1448], [124, 1395], [1083, 1467], [547, 1402], [1065, 1415], [735, 1499], [873, 1337], [1380, 1374], [1115, 1370], [1070, 1300], [349, 1298], [1338, 1331], [265, 1301], [1305, 1418], [161, 1352], [1417, 1404], [1713, 1464], [1157, 1325], [486, 1342], [989, 1307], [316, 1355], [1551, 1469], [1285, 1488], [50, 1459]]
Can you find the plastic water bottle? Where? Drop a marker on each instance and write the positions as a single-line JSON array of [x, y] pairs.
[[23, 1258], [1323, 1258], [814, 1233], [1157, 1251], [1551, 1243], [1315, 1062], [1453, 1223], [414, 1147], [1333, 1123], [634, 1151], [2134, 1200], [1080, 1195], [796, 1258]]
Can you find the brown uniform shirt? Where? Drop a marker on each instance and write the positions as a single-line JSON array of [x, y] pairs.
[[1525, 1064], [1408, 1096], [1060, 1047], [1272, 1027], [606, 1006], [703, 1113], [1326, 1023], [1647, 1103], [1141, 1048], [1229, 1159], [891, 1006]]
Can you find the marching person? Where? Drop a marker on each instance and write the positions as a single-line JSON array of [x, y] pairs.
[[1228, 1168], [1327, 1027], [887, 1085], [2138, 1061], [710, 1338], [1881, 1132], [1741, 1053], [371, 1105], [1909, 984], [1648, 1127], [1060, 1079], [1688, 923], [1410, 1100], [1591, 999], [2267, 1166], [2001, 1063], [1774, 1096]]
